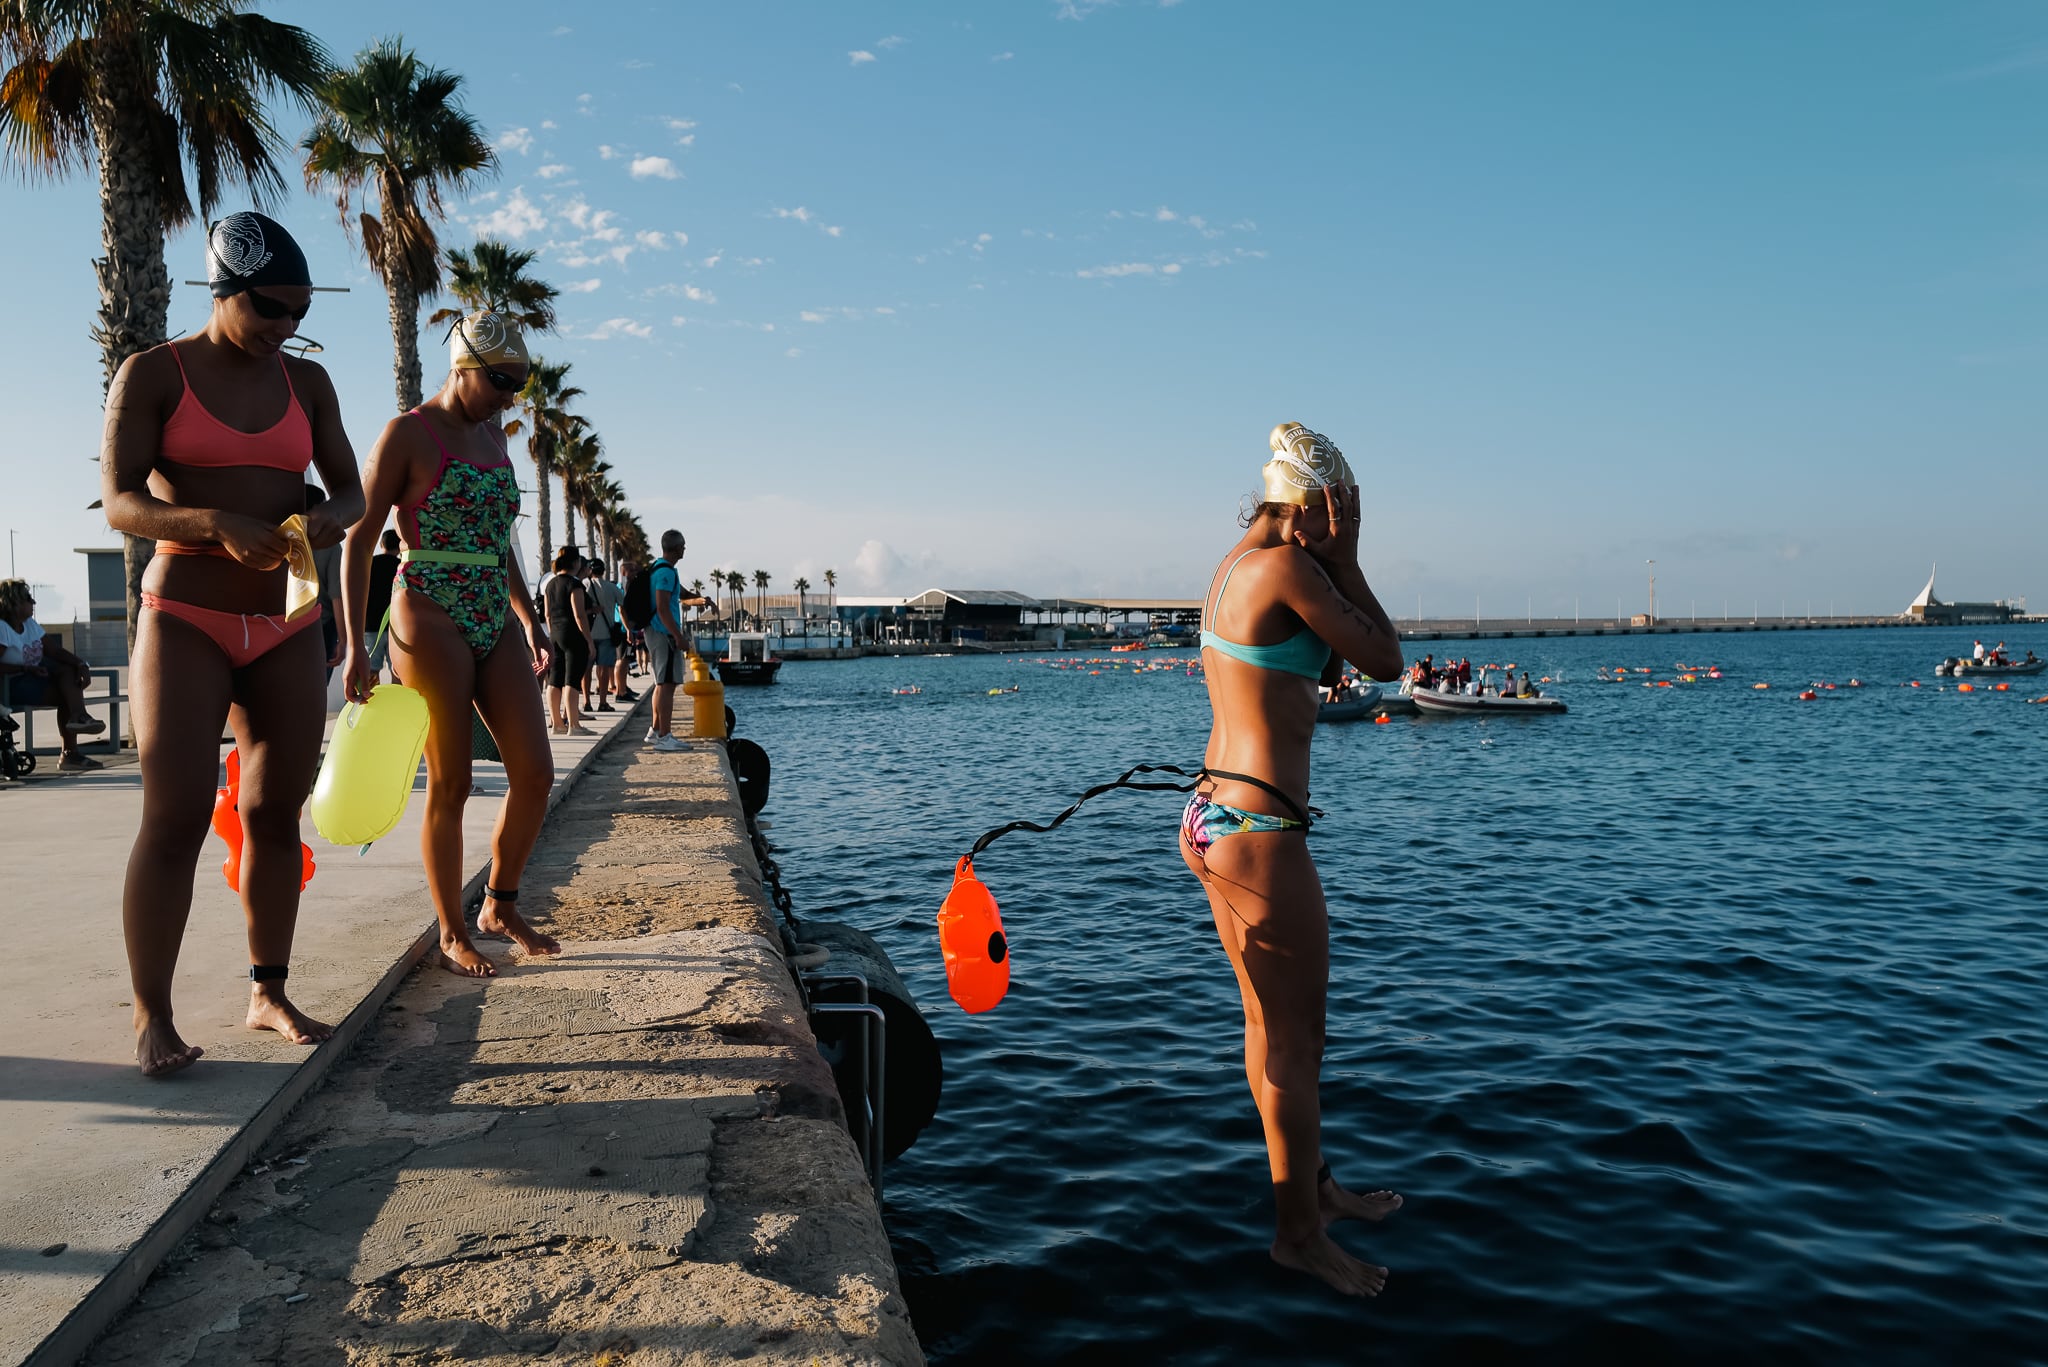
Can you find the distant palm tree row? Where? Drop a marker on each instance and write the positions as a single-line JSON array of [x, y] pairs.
[[144, 89]]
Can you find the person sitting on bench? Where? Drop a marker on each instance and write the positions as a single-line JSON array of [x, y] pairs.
[[44, 674]]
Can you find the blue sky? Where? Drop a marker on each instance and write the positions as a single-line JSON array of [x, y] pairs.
[[1009, 294]]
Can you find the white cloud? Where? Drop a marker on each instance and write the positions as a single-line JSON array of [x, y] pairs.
[[859, 58], [547, 123], [894, 40], [794, 352], [810, 317], [712, 260], [607, 152], [582, 286], [549, 170], [1110, 272], [652, 239], [1162, 214], [636, 64], [697, 295], [1170, 268], [561, 31], [518, 140], [653, 168], [834, 231], [1004, 57], [513, 219], [983, 241], [615, 327], [679, 321], [583, 105], [1078, 9], [799, 213], [679, 125]]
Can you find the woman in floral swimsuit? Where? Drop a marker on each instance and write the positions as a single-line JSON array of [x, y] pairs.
[[443, 467]]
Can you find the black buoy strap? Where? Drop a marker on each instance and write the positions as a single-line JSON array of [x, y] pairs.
[[1123, 780], [501, 894], [268, 973]]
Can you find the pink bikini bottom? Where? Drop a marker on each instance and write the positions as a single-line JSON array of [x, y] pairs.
[[244, 637]]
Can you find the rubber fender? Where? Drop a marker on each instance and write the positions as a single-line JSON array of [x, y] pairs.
[[916, 1074], [750, 772]]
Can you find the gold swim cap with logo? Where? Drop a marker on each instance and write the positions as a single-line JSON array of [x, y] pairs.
[[487, 339], [1303, 464]]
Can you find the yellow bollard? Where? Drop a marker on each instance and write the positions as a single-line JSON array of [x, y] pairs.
[[707, 701]]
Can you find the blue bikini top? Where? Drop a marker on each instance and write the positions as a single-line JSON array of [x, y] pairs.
[[1302, 653]]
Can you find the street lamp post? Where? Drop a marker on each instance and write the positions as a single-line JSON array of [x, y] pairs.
[[1653, 591]]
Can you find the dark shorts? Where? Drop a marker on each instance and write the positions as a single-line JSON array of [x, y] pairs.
[[666, 657], [571, 656], [28, 690], [604, 653]]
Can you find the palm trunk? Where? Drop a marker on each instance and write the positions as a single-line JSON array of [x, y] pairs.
[[568, 512], [135, 288], [405, 329], [543, 465]]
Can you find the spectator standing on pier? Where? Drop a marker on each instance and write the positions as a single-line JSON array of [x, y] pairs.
[[668, 641], [604, 636], [383, 570], [629, 637]]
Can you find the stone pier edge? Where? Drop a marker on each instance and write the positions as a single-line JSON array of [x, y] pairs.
[[105, 1303]]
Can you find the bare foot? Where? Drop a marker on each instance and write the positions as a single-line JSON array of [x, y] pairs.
[[271, 1010], [1336, 1204], [465, 960], [159, 1049], [496, 918], [1319, 1257]]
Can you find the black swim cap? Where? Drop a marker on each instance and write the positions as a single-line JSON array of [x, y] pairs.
[[252, 249]]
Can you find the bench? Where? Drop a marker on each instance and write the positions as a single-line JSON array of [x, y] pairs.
[[108, 740]]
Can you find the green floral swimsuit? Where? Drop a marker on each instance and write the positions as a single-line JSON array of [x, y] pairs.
[[468, 512]]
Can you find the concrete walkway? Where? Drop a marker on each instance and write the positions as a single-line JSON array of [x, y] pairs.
[[105, 1170], [632, 1154]]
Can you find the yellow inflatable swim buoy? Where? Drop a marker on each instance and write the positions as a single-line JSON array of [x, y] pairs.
[[366, 778]]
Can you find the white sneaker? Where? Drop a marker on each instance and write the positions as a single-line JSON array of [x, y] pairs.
[[651, 736], [669, 744]]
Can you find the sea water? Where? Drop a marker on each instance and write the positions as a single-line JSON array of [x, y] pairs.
[[1699, 1023]]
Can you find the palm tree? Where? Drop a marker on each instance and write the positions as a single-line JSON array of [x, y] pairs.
[[547, 424], [576, 461], [761, 583], [392, 126], [802, 586], [493, 276], [737, 582], [140, 89], [831, 594]]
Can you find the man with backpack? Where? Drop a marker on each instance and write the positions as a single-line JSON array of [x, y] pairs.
[[668, 642]]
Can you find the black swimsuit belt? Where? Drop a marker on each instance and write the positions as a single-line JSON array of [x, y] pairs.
[[1288, 802]]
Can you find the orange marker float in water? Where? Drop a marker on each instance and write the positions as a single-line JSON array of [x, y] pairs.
[[971, 937]]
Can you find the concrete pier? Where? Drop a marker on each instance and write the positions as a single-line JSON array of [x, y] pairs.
[[632, 1153]]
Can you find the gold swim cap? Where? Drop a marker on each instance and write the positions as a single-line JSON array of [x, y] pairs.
[[1303, 463], [487, 339]]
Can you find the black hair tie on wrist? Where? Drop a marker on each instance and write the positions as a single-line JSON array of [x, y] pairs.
[[268, 973]]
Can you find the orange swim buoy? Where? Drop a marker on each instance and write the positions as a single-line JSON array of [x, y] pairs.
[[1381, 720], [1966, 688], [1759, 685], [2000, 688], [1808, 696], [227, 824], [971, 937]]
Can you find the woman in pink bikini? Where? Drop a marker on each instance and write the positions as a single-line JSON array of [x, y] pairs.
[[208, 440], [461, 621]]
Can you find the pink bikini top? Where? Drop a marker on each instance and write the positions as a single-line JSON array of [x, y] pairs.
[[195, 437]]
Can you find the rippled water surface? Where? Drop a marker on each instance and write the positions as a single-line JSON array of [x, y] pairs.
[[1698, 1023]]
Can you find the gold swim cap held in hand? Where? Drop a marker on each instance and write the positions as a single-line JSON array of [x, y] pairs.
[[1304, 463]]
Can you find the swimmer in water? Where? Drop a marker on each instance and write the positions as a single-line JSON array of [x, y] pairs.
[[1283, 605], [208, 440]]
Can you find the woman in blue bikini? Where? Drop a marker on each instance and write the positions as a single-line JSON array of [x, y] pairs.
[[1288, 595]]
